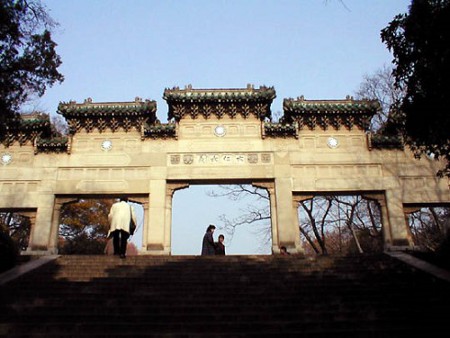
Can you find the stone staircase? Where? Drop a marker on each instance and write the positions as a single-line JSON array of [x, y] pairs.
[[230, 296]]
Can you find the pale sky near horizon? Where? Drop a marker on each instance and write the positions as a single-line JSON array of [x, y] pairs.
[[114, 50]]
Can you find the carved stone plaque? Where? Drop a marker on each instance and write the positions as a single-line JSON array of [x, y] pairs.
[[220, 159]]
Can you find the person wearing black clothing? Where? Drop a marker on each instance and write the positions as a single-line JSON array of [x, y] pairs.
[[220, 247], [208, 246], [284, 252]]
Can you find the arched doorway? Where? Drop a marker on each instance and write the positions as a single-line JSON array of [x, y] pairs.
[[339, 224], [241, 212], [83, 225]]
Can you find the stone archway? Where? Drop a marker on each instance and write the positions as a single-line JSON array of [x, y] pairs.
[[117, 148]]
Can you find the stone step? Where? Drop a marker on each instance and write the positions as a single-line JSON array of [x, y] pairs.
[[104, 296]]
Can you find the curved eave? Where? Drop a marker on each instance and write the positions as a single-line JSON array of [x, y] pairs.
[[219, 96], [282, 130], [164, 131], [34, 125], [105, 110], [293, 108]]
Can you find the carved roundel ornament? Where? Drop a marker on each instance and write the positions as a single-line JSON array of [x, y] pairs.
[[332, 142], [6, 158], [220, 131], [107, 145]]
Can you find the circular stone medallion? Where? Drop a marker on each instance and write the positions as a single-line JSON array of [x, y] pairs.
[[220, 131], [106, 145], [332, 142], [6, 159]]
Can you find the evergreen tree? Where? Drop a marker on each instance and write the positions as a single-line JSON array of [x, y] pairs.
[[420, 42], [28, 60]]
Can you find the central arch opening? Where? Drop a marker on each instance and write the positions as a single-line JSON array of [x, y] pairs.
[[241, 212]]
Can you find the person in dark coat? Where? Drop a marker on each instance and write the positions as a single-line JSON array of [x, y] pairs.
[[220, 247], [208, 246]]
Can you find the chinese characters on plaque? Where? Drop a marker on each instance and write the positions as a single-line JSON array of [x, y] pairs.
[[220, 158]]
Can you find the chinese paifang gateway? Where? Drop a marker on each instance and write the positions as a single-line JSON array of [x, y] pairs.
[[213, 135]]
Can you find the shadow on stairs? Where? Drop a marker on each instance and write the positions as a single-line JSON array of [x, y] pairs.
[[231, 296]]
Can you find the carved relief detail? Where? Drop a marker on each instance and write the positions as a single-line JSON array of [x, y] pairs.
[[220, 158], [188, 159], [175, 159], [252, 158]]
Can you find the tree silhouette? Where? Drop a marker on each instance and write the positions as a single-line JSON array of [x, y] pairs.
[[84, 226], [420, 43], [28, 59]]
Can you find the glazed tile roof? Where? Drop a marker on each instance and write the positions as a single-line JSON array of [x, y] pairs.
[[330, 113], [107, 115], [28, 128], [347, 106], [377, 141], [137, 107], [56, 145], [159, 130], [219, 102], [280, 130], [35, 121], [219, 95]]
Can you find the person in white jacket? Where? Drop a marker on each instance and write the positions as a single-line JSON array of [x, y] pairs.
[[119, 219]]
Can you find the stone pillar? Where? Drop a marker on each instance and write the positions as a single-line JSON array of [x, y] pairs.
[[270, 187], [158, 233], [288, 231], [295, 204], [385, 225], [401, 236], [145, 225], [40, 233], [407, 212], [53, 238], [142, 201], [171, 188], [156, 223]]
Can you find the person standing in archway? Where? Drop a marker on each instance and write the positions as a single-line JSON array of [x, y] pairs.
[[120, 215], [208, 245]]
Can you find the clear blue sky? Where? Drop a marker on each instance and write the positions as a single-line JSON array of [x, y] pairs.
[[115, 50]]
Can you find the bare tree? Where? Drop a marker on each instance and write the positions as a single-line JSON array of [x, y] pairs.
[[363, 219], [380, 86], [59, 125], [257, 214], [429, 227], [328, 224], [18, 227], [333, 224], [314, 225]]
